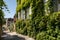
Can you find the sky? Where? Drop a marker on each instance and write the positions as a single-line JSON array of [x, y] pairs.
[[11, 4]]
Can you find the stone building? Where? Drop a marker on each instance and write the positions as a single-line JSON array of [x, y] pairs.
[[21, 14], [9, 22]]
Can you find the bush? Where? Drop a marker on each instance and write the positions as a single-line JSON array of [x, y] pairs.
[[52, 28], [45, 28], [23, 26]]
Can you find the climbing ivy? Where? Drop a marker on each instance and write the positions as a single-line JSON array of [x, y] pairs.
[[51, 5], [23, 4], [40, 26]]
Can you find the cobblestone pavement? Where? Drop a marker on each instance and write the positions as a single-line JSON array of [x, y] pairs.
[[14, 36]]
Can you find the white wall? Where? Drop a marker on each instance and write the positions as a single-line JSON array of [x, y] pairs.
[[22, 14], [18, 15], [58, 7], [29, 11]]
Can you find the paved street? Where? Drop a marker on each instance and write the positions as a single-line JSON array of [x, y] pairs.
[[15, 36]]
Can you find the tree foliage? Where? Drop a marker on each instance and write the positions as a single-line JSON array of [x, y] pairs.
[[1, 16], [2, 6]]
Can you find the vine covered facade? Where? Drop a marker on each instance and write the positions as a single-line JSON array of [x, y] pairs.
[[40, 20]]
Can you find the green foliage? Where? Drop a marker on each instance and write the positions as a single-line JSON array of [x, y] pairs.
[[22, 26], [41, 26], [23, 4], [51, 5], [45, 28], [37, 9], [1, 17], [11, 27], [2, 3], [2, 6], [51, 31]]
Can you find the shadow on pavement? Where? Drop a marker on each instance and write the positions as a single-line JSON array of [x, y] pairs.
[[14, 37]]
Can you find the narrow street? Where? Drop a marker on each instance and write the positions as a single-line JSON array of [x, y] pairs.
[[14, 36]]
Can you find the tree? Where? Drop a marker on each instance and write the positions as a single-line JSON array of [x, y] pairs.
[[1, 21], [2, 6]]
